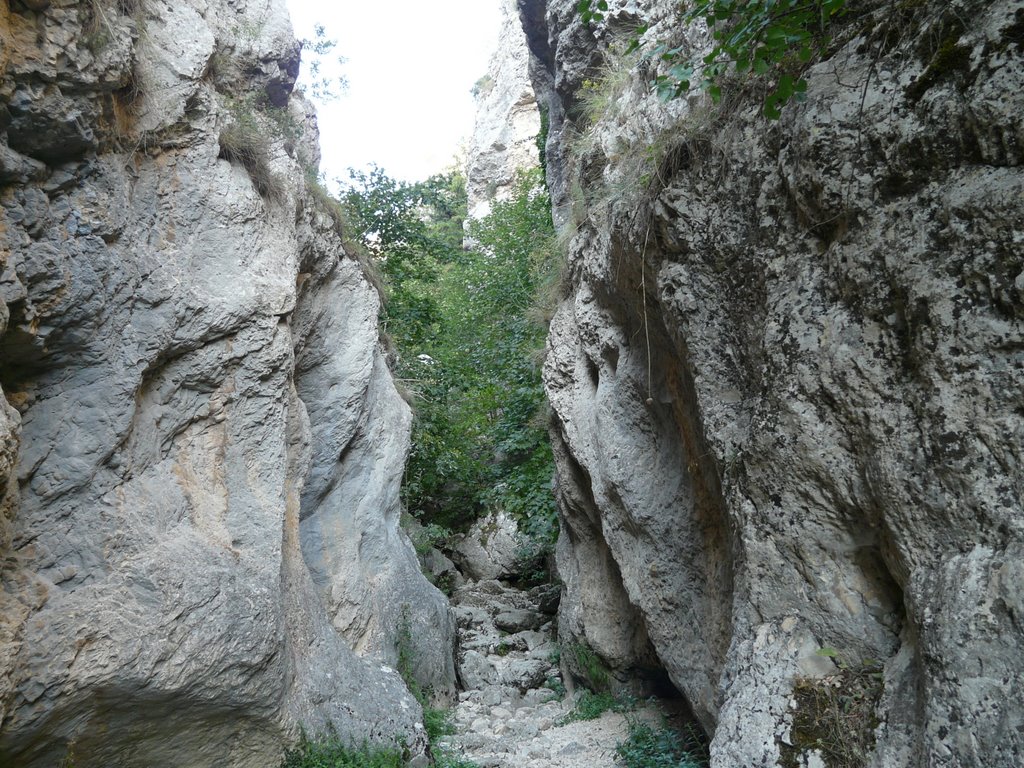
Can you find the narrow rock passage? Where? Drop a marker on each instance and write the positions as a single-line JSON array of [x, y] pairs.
[[509, 714]]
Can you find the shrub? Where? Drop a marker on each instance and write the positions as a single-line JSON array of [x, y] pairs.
[[437, 722], [649, 747], [331, 752], [770, 38], [557, 688], [461, 323]]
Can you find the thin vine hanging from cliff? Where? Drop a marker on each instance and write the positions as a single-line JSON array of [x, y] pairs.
[[770, 38]]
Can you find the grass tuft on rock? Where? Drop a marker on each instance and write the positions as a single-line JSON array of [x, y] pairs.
[[835, 716], [245, 143], [590, 706]]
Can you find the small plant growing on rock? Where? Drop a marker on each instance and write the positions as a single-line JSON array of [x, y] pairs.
[[437, 721], [766, 37], [248, 139], [482, 87], [245, 143], [591, 666], [835, 715], [101, 23], [557, 687], [449, 760]]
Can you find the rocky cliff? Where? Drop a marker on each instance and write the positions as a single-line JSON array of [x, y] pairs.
[[200, 440], [504, 136], [786, 383]]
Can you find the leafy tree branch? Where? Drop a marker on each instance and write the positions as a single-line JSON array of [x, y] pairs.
[[770, 38]]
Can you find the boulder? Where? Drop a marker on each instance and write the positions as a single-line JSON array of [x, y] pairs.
[[490, 549]]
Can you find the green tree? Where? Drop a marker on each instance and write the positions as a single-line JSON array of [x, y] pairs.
[[459, 319], [390, 217]]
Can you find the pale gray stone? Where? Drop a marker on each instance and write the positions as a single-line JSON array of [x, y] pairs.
[[477, 671], [786, 381], [518, 620], [490, 549], [507, 124], [206, 438]]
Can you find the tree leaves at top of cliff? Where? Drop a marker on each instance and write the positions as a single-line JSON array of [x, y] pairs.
[[770, 38], [321, 77], [412, 229], [459, 320], [592, 11]]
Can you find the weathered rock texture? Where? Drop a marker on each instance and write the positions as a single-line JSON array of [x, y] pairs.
[[507, 121], [210, 440], [491, 548], [787, 381]]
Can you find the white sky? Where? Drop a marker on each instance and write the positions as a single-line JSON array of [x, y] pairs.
[[410, 67]]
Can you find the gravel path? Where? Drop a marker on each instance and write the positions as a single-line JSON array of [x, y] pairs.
[[509, 715]]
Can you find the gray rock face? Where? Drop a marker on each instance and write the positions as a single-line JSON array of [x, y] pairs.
[[507, 121], [202, 539], [490, 548], [787, 383]]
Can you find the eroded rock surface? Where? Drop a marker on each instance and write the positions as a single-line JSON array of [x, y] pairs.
[[201, 552], [787, 381], [491, 548], [504, 138]]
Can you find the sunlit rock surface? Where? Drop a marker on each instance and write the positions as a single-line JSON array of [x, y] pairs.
[[504, 138], [200, 550], [787, 379]]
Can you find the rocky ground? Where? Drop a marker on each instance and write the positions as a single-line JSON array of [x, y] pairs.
[[513, 712]]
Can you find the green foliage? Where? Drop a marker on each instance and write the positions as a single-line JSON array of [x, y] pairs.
[[437, 722], [447, 759], [429, 536], [460, 322], [542, 138], [770, 38], [331, 752], [407, 657], [649, 747], [592, 10], [494, 337], [389, 217], [482, 87], [557, 687], [322, 86], [591, 666]]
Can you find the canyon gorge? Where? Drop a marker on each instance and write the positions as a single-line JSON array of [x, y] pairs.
[[784, 368]]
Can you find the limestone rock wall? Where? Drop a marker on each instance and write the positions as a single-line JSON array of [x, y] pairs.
[[504, 137], [200, 442], [787, 380]]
